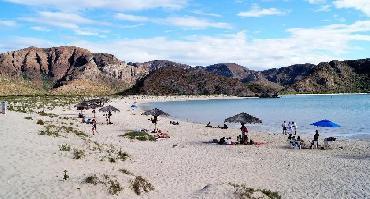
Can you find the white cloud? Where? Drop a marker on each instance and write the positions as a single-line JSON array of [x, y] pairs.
[[8, 23], [194, 22], [67, 20], [208, 14], [60, 19], [133, 18], [301, 46], [106, 4], [316, 1], [185, 21], [361, 5], [257, 11], [324, 8], [40, 28], [16, 43]]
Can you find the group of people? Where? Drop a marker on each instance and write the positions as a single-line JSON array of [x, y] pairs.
[[298, 143], [295, 143], [241, 139], [289, 128]]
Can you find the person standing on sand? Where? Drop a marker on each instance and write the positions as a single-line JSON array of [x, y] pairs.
[[93, 112], [315, 141], [244, 137], [93, 122], [290, 128], [284, 125], [294, 128]]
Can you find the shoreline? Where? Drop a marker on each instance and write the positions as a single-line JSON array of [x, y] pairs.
[[160, 99]]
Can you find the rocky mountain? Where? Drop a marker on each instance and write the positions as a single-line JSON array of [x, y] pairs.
[[188, 81], [69, 69], [334, 76], [74, 70]]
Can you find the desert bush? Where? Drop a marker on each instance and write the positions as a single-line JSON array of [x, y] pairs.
[[50, 130], [43, 113], [40, 122], [125, 171], [28, 118], [122, 155], [92, 180], [242, 191], [140, 184], [64, 147], [78, 154], [114, 187], [138, 135]]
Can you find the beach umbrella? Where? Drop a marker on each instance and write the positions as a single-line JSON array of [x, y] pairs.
[[155, 113], [325, 123], [243, 118], [109, 108], [83, 106]]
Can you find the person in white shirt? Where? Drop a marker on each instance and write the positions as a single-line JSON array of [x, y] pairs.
[[294, 128], [284, 125], [289, 128]]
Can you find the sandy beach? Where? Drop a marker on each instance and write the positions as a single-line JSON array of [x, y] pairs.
[[182, 166]]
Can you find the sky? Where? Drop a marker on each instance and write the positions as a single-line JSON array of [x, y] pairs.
[[256, 34]]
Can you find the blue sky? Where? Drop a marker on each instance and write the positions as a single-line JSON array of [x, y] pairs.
[[257, 34]]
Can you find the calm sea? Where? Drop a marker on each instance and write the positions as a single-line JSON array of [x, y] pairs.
[[352, 112]]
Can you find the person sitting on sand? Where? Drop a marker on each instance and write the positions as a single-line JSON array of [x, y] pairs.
[[299, 142], [293, 142], [161, 134], [315, 142], [224, 127], [244, 137], [93, 126], [208, 124], [228, 141], [222, 141]]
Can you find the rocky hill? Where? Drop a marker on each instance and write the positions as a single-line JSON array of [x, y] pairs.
[[70, 70], [74, 70], [334, 76], [188, 81]]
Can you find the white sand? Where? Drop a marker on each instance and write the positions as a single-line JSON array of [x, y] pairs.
[[182, 166]]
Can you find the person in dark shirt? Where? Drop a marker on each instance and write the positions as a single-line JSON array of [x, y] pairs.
[[315, 141], [244, 137]]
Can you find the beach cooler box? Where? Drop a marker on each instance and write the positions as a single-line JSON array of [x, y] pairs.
[[3, 107]]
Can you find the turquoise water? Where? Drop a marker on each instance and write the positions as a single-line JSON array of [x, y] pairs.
[[352, 112]]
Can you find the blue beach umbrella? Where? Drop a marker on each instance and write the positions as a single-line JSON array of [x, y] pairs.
[[325, 123]]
